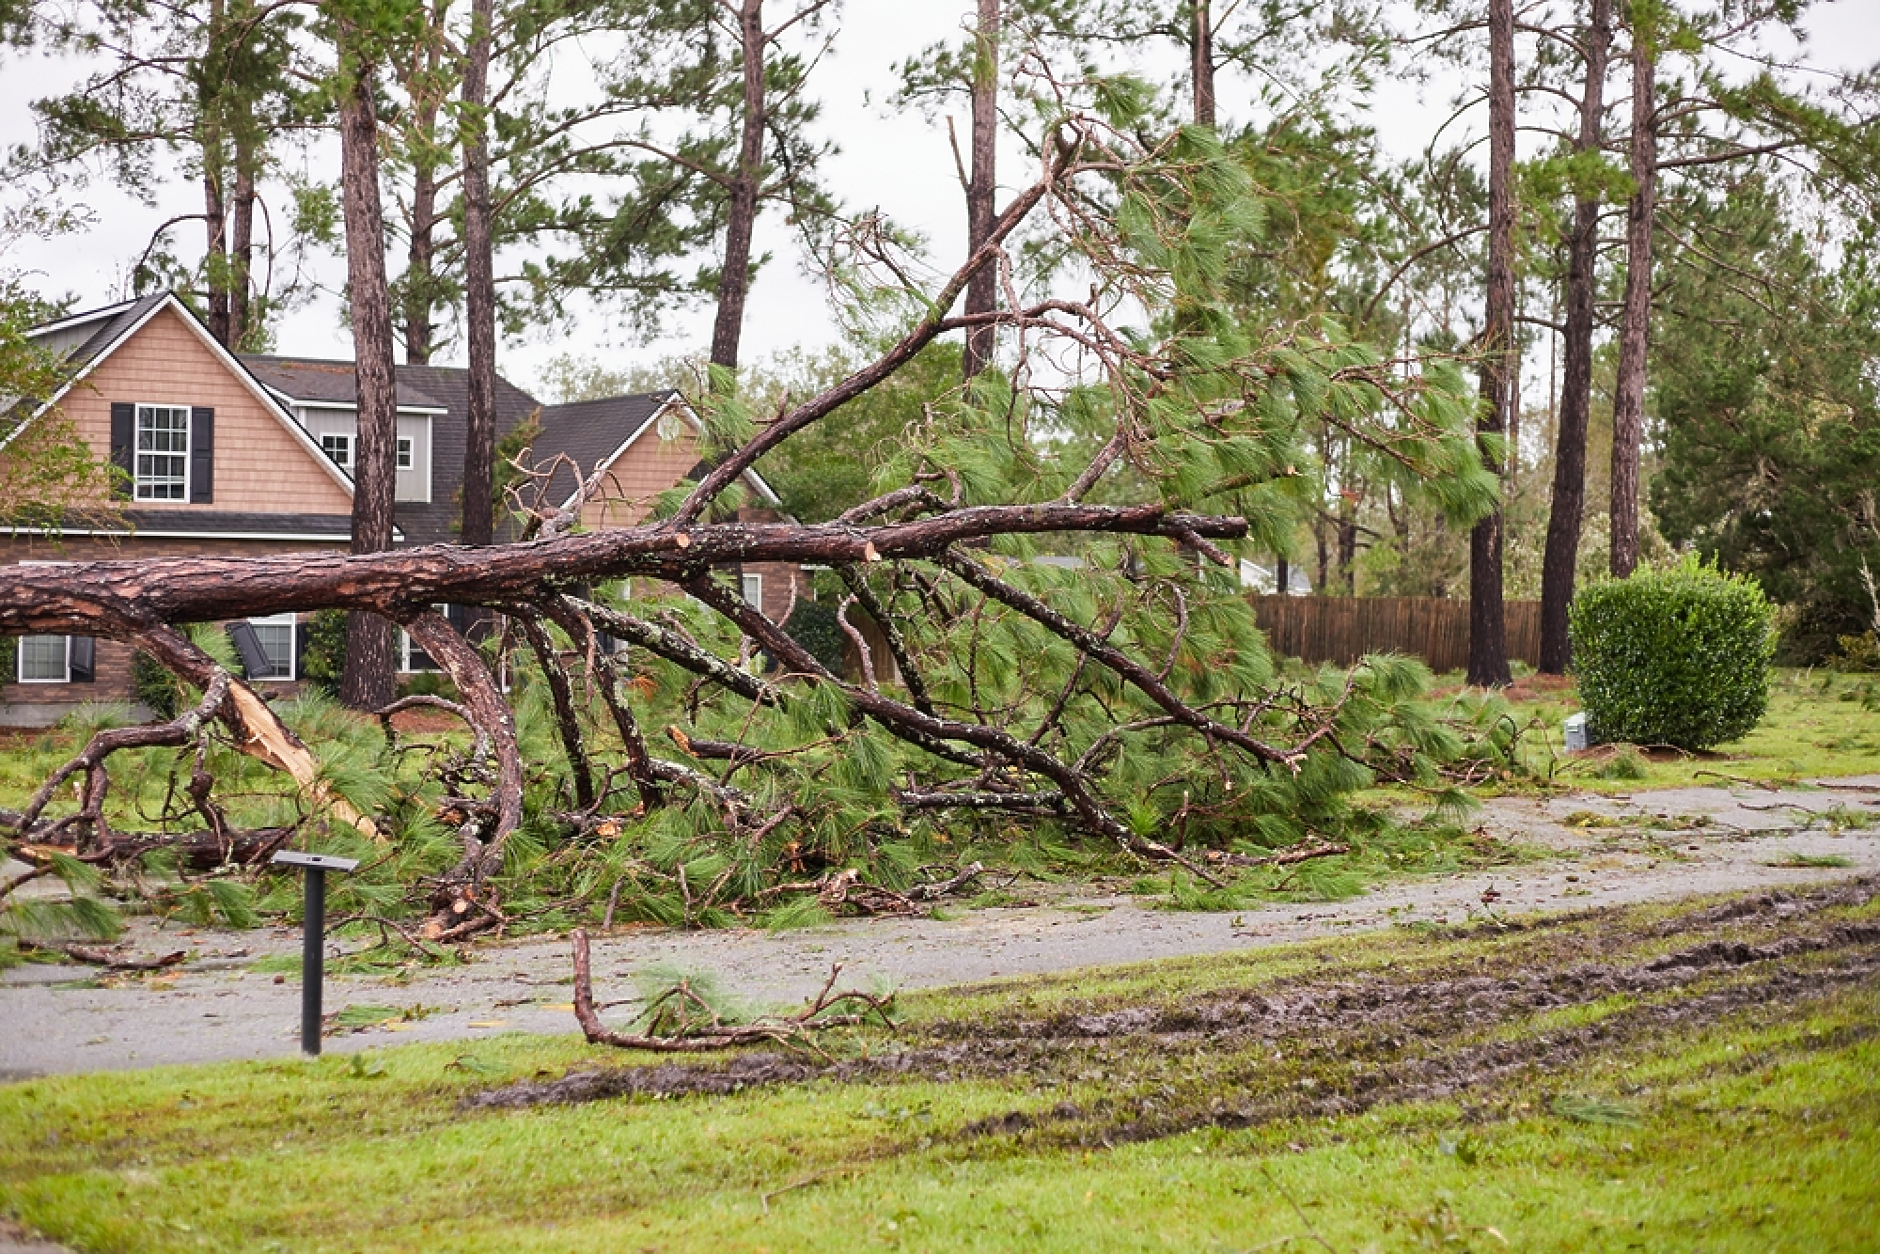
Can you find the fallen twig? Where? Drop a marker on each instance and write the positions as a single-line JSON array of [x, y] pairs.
[[680, 1020], [105, 958]]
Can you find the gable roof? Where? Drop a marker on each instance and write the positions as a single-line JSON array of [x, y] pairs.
[[318, 381], [593, 435], [95, 335], [442, 392]]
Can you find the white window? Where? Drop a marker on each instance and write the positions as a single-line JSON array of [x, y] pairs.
[[161, 471], [404, 452], [45, 659], [338, 448], [276, 635], [753, 588]]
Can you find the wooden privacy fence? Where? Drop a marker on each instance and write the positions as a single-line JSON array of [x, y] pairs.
[[1344, 629]]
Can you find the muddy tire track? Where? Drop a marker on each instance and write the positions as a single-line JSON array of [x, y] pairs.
[[1319, 1045]]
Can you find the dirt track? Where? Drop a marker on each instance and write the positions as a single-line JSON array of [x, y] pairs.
[[1650, 847]]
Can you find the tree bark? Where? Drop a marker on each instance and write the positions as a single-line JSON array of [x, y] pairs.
[[214, 173], [1628, 405], [982, 289], [1576, 392], [1488, 630], [1202, 63], [479, 457], [420, 296], [366, 682], [734, 283], [242, 245]]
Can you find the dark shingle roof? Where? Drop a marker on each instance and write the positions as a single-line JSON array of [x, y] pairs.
[[587, 433], [313, 379], [431, 387]]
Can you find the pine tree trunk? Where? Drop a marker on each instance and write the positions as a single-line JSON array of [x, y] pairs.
[[1628, 405], [367, 681], [735, 282], [420, 295], [982, 291], [214, 173], [479, 458], [242, 246], [1201, 48], [1576, 389], [1488, 628]]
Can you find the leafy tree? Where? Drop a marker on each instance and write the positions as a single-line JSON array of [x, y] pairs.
[[1763, 384], [209, 81]]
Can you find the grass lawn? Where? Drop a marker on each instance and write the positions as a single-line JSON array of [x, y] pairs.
[[1621, 1080], [1819, 724]]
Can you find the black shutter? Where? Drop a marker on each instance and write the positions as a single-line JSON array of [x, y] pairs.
[[123, 436], [82, 659], [458, 616], [300, 649], [254, 658], [202, 455]]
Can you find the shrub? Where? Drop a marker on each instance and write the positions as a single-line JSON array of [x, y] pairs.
[[323, 653], [813, 625], [1674, 656]]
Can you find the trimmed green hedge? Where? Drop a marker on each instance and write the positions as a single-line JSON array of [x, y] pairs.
[[1676, 656]]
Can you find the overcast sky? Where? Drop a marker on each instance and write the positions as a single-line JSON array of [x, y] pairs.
[[898, 162]]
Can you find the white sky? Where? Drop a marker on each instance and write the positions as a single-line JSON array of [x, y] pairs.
[[898, 162]]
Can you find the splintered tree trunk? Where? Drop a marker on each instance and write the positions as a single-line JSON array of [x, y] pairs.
[[367, 680], [982, 290], [1628, 404], [479, 456], [1488, 630], [735, 283], [1202, 50], [1576, 392]]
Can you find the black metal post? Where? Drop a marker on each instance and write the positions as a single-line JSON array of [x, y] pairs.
[[313, 937], [312, 960]]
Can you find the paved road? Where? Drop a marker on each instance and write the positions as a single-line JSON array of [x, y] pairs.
[[216, 1007]]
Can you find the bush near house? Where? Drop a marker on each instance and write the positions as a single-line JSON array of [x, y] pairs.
[[1673, 656]]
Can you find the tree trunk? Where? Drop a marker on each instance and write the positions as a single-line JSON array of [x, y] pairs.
[[479, 457], [1282, 577], [214, 173], [1628, 405], [734, 283], [367, 680], [420, 296], [982, 290], [242, 245], [420, 262], [1488, 630], [1202, 59], [1576, 389]]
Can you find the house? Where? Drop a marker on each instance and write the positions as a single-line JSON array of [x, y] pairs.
[[637, 447], [215, 453]]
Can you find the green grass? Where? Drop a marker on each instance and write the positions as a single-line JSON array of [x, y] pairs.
[[1819, 724], [1758, 1132]]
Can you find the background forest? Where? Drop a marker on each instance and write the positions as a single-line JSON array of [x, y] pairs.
[[603, 173]]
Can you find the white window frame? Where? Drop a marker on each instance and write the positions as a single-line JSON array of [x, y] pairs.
[[19, 659], [405, 646], [139, 484], [290, 621], [345, 441], [749, 583], [406, 454]]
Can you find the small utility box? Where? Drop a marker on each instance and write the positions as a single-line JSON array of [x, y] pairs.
[[313, 937], [1575, 731]]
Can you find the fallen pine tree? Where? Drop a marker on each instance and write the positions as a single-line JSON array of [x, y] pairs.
[[1120, 694]]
